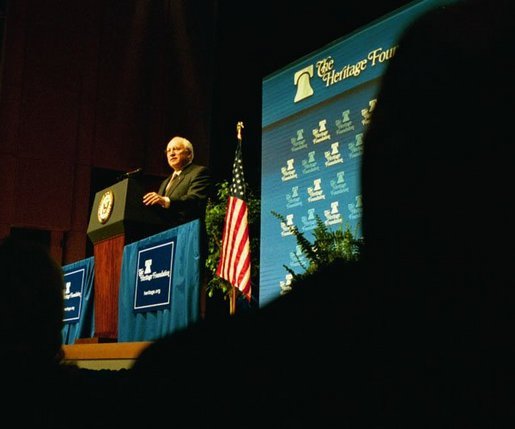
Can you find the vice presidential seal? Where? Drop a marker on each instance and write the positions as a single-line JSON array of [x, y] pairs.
[[105, 206]]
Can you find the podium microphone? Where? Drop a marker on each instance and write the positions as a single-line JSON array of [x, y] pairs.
[[130, 174]]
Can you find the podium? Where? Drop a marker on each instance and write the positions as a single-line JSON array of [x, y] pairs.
[[118, 217]]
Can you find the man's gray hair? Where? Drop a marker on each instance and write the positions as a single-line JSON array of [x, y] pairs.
[[187, 144]]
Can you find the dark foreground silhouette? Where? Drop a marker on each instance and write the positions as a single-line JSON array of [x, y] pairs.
[[413, 334]]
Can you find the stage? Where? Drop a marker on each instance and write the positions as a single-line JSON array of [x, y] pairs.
[[99, 356]]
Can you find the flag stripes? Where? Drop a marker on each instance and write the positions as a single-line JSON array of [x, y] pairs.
[[234, 264]]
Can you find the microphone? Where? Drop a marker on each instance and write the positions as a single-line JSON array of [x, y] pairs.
[[130, 174]]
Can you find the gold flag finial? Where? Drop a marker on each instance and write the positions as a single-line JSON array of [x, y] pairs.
[[239, 126]]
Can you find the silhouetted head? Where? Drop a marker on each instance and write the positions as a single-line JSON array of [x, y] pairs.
[[437, 172], [438, 167], [31, 302]]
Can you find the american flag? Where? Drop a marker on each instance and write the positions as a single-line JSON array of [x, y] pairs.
[[234, 264]]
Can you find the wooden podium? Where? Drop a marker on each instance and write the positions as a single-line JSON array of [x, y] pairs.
[[118, 217]]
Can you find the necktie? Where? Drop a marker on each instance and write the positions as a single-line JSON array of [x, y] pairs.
[[168, 186]]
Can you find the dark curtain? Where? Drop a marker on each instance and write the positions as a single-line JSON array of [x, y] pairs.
[[97, 84]]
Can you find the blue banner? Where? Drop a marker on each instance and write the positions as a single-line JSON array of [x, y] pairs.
[[73, 289], [168, 259], [154, 277], [78, 300]]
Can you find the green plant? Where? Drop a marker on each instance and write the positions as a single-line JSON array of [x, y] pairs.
[[215, 220], [327, 246]]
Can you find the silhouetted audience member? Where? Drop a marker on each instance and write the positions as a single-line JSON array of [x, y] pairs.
[[31, 312], [31, 320], [406, 337], [436, 182], [39, 390]]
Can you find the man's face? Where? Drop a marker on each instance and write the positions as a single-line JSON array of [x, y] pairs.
[[177, 155]]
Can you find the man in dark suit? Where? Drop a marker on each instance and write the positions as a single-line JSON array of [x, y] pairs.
[[183, 195], [185, 192]]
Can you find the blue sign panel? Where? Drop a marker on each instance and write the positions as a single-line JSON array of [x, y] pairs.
[[154, 277], [73, 291]]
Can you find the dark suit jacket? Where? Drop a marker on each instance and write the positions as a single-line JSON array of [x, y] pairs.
[[188, 194]]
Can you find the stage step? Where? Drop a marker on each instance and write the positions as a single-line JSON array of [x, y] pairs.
[[104, 355]]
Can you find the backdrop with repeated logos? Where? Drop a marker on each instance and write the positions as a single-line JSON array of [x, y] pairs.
[[315, 114]]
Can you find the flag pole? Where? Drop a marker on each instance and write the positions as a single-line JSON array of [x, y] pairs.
[[234, 290], [239, 126]]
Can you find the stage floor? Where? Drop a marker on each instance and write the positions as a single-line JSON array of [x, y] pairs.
[[104, 355]]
